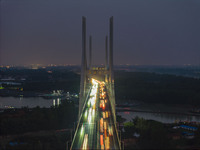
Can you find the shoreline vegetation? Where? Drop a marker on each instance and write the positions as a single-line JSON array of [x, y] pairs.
[[149, 134], [156, 88], [129, 86], [37, 128]]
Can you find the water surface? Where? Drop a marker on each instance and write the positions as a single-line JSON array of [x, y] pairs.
[[18, 102]]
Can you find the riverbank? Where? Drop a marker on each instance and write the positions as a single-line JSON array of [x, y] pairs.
[[159, 112]]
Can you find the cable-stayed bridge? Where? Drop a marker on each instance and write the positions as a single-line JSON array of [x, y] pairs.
[[96, 128]]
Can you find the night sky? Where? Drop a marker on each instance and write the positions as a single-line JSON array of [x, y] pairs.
[[146, 32]]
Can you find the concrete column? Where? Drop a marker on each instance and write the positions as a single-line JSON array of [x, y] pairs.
[[90, 52], [84, 60], [106, 52], [111, 50], [83, 66]]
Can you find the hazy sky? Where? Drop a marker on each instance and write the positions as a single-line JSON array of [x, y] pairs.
[[153, 32]]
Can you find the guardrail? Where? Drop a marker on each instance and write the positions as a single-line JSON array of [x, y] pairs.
[[113, 111], [87, 97]]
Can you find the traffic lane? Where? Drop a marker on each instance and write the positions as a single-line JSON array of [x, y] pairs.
[[113, 139]]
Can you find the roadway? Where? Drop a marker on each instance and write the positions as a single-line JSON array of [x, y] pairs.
[[96, 128]]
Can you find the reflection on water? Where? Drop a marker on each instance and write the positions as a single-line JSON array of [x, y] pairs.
[[18, 102], [164, 118], [56, 102]]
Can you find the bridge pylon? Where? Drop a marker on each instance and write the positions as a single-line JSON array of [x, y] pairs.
[[87, 70], [98, 80]]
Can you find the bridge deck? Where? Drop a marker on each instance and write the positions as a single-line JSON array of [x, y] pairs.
[[96, 128]]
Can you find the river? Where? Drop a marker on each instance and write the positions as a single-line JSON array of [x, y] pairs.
[[163, 117], [18, 102]]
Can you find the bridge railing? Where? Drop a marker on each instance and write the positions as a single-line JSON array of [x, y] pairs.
[[112, 96], [111, 99], [87, 97]]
